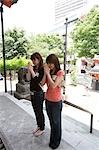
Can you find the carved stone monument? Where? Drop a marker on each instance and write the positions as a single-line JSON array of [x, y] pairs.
[[23, 86]]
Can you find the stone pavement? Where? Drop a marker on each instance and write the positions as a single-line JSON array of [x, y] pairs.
[[17, 122], [85, 98], [16, 127]]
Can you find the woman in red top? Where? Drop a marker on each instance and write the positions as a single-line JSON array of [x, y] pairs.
[[54, 77]]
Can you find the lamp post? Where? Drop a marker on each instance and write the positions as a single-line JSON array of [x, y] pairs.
[[65, 51], [65, 54], [2, 30], [7, 3]]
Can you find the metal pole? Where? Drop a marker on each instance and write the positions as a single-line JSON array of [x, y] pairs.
[[65, 52], [2, 29], [65, 56], [10, 81]]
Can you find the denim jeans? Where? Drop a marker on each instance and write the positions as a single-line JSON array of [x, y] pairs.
[[54, 114], [37, 99]]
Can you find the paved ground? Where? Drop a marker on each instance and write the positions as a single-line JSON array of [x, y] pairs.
[[75, 134], [87, 99], [17, 122], [16, 127]]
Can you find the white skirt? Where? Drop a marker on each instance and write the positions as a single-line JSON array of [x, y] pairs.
[[84, 79]]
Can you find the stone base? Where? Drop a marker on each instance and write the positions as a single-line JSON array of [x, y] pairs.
[[23, 88], [22, 91], [21, 96]]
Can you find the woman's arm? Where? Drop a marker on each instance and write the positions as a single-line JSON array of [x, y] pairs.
[[43, 80], [30, 71], [55, 83], [52, 83]]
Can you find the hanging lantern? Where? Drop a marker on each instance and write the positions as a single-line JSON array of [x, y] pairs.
[[8, 3]]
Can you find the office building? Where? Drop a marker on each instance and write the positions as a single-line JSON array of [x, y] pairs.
[[70, 9]]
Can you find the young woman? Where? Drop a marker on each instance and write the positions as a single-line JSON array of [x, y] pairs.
[[35, 74], [83, 65], [54, 77]]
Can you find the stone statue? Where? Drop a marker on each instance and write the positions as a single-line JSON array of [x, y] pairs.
[[22, 75], [23, 85]]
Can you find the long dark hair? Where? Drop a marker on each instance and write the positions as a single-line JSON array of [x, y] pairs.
[[53, 59], [39, 57]]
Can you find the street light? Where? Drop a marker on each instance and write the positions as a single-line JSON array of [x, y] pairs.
[[7, 3], [65, 51]]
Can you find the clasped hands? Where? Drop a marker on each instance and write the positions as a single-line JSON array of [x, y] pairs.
[[46, 68], [30, 66]]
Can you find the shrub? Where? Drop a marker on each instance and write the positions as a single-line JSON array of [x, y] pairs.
[[14, 64]]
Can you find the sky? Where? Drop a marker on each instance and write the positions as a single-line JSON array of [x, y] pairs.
[[34, 16]]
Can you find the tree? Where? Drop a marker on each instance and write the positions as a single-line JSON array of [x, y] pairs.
[[16, 44], [46, 44], [86, 34]]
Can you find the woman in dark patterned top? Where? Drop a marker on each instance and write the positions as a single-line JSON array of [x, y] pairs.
[[35, 74]]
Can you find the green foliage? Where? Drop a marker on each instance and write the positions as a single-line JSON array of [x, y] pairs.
[[1, 65], [46, 44], [86, 34], [73, 76], [16, 44], [14, 64]]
